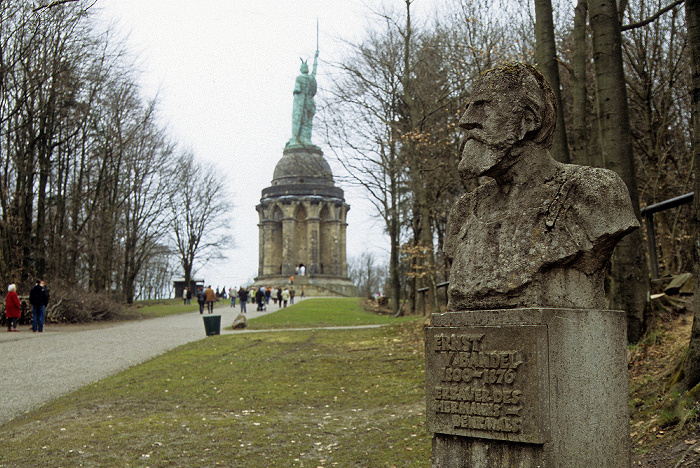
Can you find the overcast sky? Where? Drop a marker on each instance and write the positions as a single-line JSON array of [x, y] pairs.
[[224, 72]]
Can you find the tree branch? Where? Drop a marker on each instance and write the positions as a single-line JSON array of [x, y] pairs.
[[51, 5], [652, 18]]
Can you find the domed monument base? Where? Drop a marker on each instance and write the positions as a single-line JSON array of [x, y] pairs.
[[302, 227]]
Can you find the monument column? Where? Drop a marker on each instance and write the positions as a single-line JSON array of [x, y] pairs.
[[264, 238], [267, 267], [313, 228], [288, 247], [261, 249], [343, 252], [335, 247]]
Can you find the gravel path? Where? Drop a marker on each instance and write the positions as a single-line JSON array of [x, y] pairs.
[[39, 367]]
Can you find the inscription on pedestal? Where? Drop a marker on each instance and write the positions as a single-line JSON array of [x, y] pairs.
[[488, 382]]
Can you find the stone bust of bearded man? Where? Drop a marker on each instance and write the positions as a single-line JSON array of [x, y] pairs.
[[540, 233]]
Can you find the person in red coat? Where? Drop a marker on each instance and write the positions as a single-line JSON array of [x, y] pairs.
[[13, 309]]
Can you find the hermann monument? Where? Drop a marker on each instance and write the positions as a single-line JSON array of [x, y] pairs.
[[527, 368], [302, 213]]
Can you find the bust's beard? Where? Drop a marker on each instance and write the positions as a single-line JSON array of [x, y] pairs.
[[480, 158]]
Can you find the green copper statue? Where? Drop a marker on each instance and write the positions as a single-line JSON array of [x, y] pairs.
[[304, 107]]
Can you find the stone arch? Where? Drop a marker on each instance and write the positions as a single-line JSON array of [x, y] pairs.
[[276, 213], [325, 239], [274, 262], [301, 236]]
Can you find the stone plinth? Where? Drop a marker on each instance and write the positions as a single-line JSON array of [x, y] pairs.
[[532, 387]]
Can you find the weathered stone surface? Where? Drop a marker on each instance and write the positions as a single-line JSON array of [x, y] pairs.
[[240, 321], [529, 251], [540, 233], [488, 382], [576, 411]]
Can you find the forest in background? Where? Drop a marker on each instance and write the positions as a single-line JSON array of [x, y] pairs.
[[391, 120], [95, 195]]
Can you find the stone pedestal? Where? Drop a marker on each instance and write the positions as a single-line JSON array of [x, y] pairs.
[[533, 387]]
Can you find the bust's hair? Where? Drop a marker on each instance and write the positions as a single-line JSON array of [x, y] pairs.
[[533, 91]]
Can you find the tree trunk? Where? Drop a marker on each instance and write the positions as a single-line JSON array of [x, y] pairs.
[[629, 282], [394, 238], [691, 367], [580, 114], [549, 66], [423, 227]]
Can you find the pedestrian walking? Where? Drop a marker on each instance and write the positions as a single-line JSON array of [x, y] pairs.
[[243, 298], [285, 297], [201, 299], [13, 308], [210, 297], [260, 299], [39, 299]]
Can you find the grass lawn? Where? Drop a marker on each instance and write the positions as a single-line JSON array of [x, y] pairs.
[[318, 398], [323, 312], [159, 308]]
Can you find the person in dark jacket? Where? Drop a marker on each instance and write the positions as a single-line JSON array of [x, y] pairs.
[[260, 298], [201, 299], [243, 297], [39, 299]]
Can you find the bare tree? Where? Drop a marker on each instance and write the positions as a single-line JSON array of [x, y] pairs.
[[148, 184], [657, 77], [360, 121], [548, 64], [367, 274], [629, 283], [580, 111], [199, 209], [83, 164]]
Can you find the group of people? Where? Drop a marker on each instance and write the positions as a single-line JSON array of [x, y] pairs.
[[262, 295], [206, 297], [38, 299], [219, 294]]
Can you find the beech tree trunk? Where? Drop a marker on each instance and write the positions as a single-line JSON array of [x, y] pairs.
[[424, 229], [580, 113], [691, 367], [549, 66], [629, 283]]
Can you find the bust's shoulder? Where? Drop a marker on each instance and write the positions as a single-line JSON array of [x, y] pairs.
[[598, 201], [595, 187], [468, 201], [596, 180]]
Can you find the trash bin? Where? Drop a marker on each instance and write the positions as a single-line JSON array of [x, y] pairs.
[[212, 324]]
